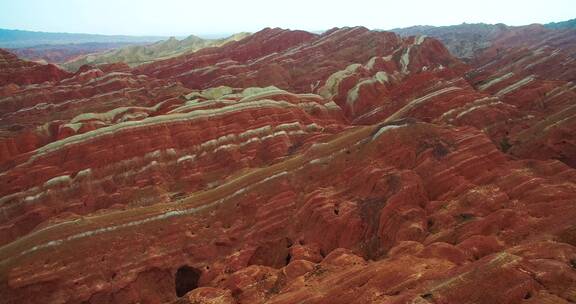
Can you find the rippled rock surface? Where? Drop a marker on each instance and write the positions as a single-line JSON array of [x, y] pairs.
[[354, 166]]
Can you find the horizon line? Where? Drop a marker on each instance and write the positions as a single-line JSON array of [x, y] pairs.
[[241, 31]]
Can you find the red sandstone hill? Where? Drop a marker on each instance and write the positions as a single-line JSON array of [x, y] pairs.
[[19, 72], [350, 167]]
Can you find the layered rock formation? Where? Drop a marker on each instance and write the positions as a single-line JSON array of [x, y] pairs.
[[271, 235], [534, 72], [33, 116], [293, 60], [349, 167], [141, 54]]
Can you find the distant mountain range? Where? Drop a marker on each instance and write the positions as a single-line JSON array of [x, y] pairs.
[[562, 25], [134, 55], [467, 39], [21, 39], [59, 53], [463, 40]]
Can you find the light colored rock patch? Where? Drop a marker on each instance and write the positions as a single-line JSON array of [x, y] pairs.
[[110, 115], [84, 173], [332, 106], [74, 126], [385, 129], [330, 89], [420, 39], [270, 92], [474, 108], [269, 56], [542, 60], [186, 158], [370, 64], [418, 101], [211, 93], [382, 77], [559, 91], [258, 90], [353, 93], [480, 101], [405, 60], [59, 180], [495, 81], [516, 86], [203, 71], [195, 104], [109, 75]]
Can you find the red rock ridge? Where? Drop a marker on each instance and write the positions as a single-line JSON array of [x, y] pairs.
[[183, 146], [301, 66], [20, 72], [37, 115]]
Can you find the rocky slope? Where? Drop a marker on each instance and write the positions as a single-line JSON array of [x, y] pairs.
[[14, 72], [354, 166], [292, 60], [140, 54]]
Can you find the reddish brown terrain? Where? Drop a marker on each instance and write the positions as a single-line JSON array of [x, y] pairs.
[[354, 166], [15, 72]]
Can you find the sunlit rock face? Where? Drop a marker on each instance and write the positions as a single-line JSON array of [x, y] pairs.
[[350, 167]]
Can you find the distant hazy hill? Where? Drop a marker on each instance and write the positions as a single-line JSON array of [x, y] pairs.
[[139, 54], [20, 39], [568, 24], [463, 40], [59, 53]]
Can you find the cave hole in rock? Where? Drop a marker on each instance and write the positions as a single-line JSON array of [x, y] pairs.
[[288, 259], [186, 280]]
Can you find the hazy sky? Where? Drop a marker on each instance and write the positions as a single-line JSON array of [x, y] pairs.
[[182, 17]]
